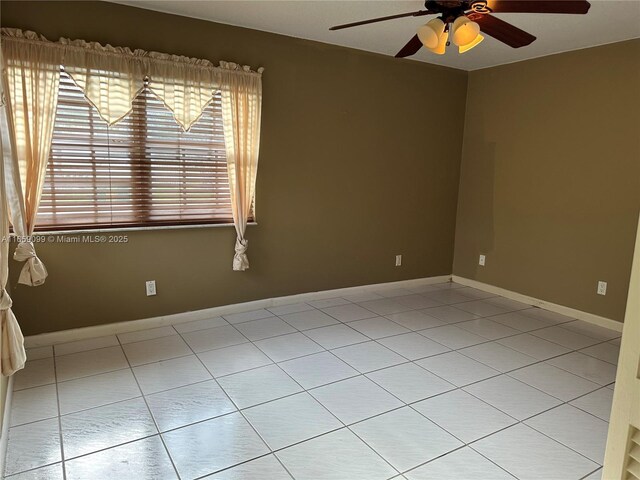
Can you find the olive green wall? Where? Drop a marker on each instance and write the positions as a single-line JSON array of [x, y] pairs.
[[550, 179], [352, 172]]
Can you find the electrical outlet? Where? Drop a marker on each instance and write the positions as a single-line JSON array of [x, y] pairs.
[[482, 260], [602, 288], [398, 260], [151, 287]]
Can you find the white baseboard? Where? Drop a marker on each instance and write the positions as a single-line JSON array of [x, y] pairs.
[[64, 336], [6, 420], [553, 307]]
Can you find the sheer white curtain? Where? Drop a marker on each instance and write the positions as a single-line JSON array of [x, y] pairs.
[[12, 353], [241, 93], [31, 76]]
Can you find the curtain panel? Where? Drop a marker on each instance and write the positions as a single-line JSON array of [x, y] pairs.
[[111, 78], [12, 353]]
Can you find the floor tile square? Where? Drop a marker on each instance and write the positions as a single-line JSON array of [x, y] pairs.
[[247, 316], [264, 328], [33, 445], [414, 320], [533, 346], [35, 374], [93, 362], [591, 330], [335, 336], [587, 367], [457, 368], [103, 427], [286, 347], [337, 455], [38, 353], [177, 372], [519, 321], [564, 337], [449, 314], [50, 472], [597, 403], [185, 405], [512, 397], [607, 352], [554, 381], [475, 293], [149, 351], [290, 308], [527, 454], [149, 334], [259, 385], [309, 319], [378, 327], [329, 302], [85, 345], [33, 404], [481, 308], [413, 346], [210, 446], [448, 297], [213, 338], [463, 415], [384, 306], [142, 459], [391, 292], [488, 329], [225, 361], [348, 312], [267, 467], [453, 337], [498, 356], [405, 438], [291, 420], [547, 315], [355, 399], [464, 463], [574, 428], [409, 382], [318, 369], [203, 324], [507, 303], [368, 356], [97, 390], [417, 301]]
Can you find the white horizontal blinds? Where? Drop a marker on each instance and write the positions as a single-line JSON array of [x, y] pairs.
[[143, 170]]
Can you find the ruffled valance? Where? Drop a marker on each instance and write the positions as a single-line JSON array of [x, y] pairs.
[[112, 77]]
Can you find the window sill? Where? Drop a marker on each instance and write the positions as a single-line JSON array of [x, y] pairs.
[[134, 229]]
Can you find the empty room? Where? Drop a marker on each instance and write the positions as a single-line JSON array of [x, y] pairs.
[[320, 240]]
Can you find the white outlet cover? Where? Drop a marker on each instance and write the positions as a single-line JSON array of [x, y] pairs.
[[398, 260], [482, 260], [602, 288], [150, 287]]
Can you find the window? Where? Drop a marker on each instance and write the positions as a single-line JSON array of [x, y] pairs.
[[143, 171]]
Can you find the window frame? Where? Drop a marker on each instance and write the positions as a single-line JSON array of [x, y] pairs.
[[136, 226]]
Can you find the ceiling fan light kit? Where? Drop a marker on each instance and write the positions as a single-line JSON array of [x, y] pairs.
[[430, 33], [462, 21]]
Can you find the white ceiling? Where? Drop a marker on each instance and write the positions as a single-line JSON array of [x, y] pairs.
[[608, 21]]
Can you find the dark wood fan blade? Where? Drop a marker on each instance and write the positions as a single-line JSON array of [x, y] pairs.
[[418, 13], [503, 31], [539, 6], [410, 48]]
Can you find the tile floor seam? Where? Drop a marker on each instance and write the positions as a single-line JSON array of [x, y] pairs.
[[153, 418]]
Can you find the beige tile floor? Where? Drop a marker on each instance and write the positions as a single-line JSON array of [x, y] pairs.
[[434, 382]]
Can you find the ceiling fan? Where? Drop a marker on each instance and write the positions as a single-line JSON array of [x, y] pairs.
[[461, 21]]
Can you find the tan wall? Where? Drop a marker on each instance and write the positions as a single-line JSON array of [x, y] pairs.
[[352, 172], [550, 179]]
